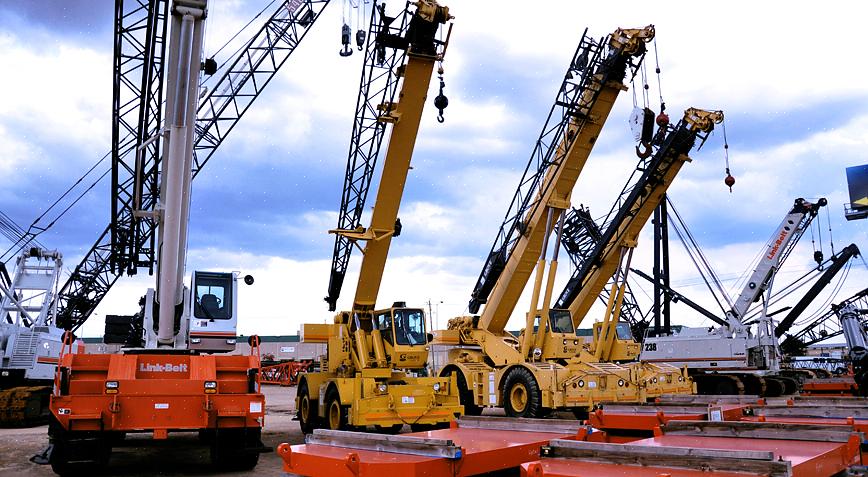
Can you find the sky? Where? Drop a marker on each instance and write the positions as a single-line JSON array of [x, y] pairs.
[[792, 88]]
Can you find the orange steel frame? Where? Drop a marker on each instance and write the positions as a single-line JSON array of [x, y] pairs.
[[841, 386], [654, 418], [808, 459], [483, 451], [152, 397], [285, 374]]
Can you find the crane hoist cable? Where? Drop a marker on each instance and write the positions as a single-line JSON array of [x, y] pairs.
[[715, 279], [35, 230]]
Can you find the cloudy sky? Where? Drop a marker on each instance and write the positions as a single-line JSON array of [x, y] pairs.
[[792, 86]]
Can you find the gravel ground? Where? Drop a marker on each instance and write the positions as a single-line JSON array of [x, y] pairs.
[[181, 454]]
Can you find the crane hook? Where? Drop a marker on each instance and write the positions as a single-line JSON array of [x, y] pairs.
[[360, 39], [441, 101], [345, 41], [645, 152]]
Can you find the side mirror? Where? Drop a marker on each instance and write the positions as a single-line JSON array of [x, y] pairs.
[[430, 337], [248, 279]]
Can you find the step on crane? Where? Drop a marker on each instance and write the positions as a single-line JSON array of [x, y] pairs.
[[374, 373], [29, 340], [174, 383], [732, 358], [548, 367]]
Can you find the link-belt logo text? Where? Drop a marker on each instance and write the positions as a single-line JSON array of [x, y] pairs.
[[163, 368], [777, 245]]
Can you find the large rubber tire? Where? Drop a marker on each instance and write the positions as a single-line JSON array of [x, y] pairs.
[[774, 387], [69, 458], [307, 413], [465, 395], [521, 394], [791, 385], [335, 414], [233, 449]]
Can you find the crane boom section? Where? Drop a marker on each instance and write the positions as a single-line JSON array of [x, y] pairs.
[[637, 203], [423, 50], [601, 69], [777, 250], [406, 115], [185, 45], [378, 85]]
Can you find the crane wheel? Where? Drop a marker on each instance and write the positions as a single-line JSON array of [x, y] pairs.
[[774, 386], [236, 448], [465, 395], [77, 453], [336, 415], [790, 384], [521, 397], [307, 409]]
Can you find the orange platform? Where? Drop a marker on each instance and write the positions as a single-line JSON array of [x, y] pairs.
[[470, 447]]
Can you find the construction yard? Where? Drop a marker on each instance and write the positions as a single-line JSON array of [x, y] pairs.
[[631, 317]]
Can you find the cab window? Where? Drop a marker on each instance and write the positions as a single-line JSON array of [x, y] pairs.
[[623, 331], [384, 324], [561, 322], [213, 296], [409, 327]]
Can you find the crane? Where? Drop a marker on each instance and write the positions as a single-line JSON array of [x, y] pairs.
[[371, 373], [175, 382], [128, 242], [609, 255], [732, 358], [548, 367], [29, 342]]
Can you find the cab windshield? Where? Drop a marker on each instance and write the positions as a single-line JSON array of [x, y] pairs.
[[623, 331], [409, 327], [561, 322], [213, 296]]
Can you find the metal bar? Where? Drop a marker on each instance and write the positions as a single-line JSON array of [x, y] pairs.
[[557, 426], [709, 460], [759, 430], [840, 412], [412, 445]]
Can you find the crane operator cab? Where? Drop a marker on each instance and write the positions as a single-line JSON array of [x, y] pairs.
[[559, 340], [214, 320], [209, 320], [624, 346], [404, 335]]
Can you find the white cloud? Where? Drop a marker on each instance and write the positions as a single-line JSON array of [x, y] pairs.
[[62, 93]]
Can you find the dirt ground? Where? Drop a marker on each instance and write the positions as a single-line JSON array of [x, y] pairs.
[[181, 454]]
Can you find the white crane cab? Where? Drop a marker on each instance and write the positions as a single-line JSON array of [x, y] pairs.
[[208, 321]]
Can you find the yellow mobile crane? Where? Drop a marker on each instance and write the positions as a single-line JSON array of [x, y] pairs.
[[548, 366], [375, 357]]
